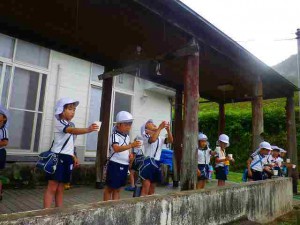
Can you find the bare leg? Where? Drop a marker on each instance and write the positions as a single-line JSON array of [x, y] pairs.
[[50, 193], [145, 187], [59, 195], [201, 184], [107, 194], [116, 194], [152, 188], [132, 172]]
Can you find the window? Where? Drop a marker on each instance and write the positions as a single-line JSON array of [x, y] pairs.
[[32, 54], [6, 46], [122, 103], [25, 104], [94, 115]]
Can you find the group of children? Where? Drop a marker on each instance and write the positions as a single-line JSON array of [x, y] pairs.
[[265, 162], [222, 160], [123, 152]]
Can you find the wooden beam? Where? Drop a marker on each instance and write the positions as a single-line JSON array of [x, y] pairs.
[[177, 156], [221, 127], [188, 176], [103, 135], [291, 137], [257, 114]]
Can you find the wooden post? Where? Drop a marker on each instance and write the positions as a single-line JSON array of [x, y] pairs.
[[221, 118], [188, 176], [257, 114], [103, 135], [291, 138], [177, 138]]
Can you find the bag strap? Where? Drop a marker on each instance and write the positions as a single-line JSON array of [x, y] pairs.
[[156, 147], [64, 145], [259, 161]]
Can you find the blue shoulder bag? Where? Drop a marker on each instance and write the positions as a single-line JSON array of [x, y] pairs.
[[47, 161]]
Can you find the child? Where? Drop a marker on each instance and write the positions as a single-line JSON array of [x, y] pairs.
[[3, 141], [204, 154], [63, 146], [118, 164], [274, 162], [221, 158], [136, 152], [256, 162], [150, 172]]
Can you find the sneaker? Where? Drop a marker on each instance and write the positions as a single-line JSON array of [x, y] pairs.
[[129, 188]]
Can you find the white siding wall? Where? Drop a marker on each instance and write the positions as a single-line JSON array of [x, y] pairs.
[[74, 83]]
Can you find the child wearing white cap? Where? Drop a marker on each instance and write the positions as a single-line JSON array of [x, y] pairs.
[[63, 146], [274, 162], [3, 141], [204, 154], [221, 158], [118, 164], [150, 171], [257, 161]]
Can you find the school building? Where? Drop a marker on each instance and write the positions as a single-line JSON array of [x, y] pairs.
[[33, 78]]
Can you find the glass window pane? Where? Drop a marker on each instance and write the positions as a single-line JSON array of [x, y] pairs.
[[125, 82], [24, 89], [5, 86], [37, 132], [6, 46], [122, 103], [20, 130], [94, 115], [96, 70], [32, 54], [42, 94]]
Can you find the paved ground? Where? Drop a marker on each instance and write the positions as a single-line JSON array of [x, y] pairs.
[[19, 200]]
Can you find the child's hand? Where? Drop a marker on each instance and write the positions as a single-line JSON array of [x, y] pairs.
[[162, 125], [249, 173], [76, 162], [136, 144], [131, 158], [228, 158], [167, 127], [93, 127]]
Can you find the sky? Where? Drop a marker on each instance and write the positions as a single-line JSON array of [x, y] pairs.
[[260, 26]]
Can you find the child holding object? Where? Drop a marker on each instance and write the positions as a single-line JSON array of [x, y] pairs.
[[204, 154], [118, 164], [221, 158], [150, 171], [63, 146]]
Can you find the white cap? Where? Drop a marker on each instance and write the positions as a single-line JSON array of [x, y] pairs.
[[274, 147], [265, 145], [124, 117], [59, 108], [224, 138], [202, 137]]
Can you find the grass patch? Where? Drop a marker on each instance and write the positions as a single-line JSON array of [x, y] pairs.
[[235, 177]]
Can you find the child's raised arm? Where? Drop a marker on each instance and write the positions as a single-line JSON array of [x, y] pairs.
[[78, 131], [118, 148], [155, 135], [170, 136]]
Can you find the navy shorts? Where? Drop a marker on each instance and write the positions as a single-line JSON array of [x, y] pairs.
[[2, 158], [150, 170], [64, 169], [204, 169], [116, 176], [257, 175], [221, 173]]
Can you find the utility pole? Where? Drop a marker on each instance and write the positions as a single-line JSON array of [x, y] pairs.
[[298, 64]]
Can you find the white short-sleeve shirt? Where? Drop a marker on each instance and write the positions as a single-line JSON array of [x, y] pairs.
[[204, 156], [258, 162], [153, 149], [221, 155], [278, 160], [60, 137], [121, 140], [3, 134]]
